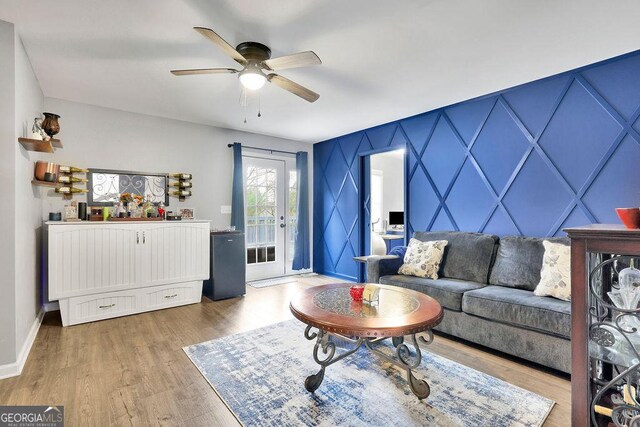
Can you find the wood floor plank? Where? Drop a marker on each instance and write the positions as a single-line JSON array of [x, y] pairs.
[[132, 371]]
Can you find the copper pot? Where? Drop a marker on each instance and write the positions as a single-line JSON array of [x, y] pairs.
[[46, 171], [50, 124]]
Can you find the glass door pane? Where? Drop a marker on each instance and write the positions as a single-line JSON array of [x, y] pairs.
[[265, 227], [293, 212], [261, 186]]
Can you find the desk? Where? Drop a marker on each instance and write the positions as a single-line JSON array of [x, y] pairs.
[[392, 236]]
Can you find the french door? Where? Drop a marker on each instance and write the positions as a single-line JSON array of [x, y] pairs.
[[269, 215]]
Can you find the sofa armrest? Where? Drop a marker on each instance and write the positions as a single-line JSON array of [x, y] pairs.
[[379, 266]]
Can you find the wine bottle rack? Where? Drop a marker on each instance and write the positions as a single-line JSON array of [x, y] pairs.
[[71, 185], [181, 187]]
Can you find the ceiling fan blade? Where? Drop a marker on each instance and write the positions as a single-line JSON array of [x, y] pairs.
[[293, 87], [302, 59], [221, 43], [203, 71]]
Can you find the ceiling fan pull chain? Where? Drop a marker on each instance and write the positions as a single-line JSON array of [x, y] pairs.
[[243, 98], [244, 102], [259, 105]]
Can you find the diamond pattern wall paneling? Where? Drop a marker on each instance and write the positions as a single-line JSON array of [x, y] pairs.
[[530, 160]]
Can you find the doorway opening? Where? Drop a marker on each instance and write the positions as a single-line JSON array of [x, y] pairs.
[[383, 207]]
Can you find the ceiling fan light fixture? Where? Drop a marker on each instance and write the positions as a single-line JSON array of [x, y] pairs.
[[252, 79]]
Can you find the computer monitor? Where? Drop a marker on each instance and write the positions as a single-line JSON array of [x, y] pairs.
[[396, 218]]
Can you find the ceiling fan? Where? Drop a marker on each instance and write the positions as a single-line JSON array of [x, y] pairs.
[[256, 59]]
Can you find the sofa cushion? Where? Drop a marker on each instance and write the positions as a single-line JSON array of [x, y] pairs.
[[467, 256], [555, 277], [521, 308], [519, 261], [423, 258], [448, 292]]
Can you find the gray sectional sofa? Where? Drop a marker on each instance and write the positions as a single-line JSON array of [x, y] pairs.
[[486, 288]]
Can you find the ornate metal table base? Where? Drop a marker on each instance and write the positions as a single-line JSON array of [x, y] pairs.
[[403, 360]]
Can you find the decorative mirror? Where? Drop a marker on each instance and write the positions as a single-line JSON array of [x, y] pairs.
[[105, 186]]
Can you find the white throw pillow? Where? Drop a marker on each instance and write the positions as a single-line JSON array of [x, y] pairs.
[[423, 258], [555, 276]]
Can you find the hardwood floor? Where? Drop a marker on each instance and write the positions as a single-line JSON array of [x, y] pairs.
[[132, 370]]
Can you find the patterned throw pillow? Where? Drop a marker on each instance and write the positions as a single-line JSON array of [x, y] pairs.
[[423, 258], [555, 277]]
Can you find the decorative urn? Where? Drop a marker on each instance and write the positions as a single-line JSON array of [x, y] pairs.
[[50, 124]]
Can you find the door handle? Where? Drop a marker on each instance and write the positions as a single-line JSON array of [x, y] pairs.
[[137, 238], [283, 225], [144, 238]]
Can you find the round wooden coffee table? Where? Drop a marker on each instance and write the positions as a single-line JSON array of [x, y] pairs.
[[398, 313]]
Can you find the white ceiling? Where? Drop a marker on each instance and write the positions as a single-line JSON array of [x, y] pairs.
[[382, 60]]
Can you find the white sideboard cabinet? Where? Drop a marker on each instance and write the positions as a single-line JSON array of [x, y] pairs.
[[99, 270]]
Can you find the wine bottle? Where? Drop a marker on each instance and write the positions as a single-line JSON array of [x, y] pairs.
[[181, 184], [70, 190], [181, 175], [182, 193], [68, 179], [72, 169]]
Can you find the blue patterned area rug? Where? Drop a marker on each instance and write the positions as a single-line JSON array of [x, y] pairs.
[[260, 376]]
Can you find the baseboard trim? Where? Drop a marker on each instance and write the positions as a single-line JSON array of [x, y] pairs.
[[15, 369]]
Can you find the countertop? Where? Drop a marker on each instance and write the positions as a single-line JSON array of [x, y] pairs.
[[199, 221]]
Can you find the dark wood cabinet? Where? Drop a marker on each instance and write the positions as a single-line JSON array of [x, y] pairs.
[[604, 348]]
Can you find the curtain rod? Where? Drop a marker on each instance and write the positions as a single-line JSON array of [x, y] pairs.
[[265, 149]]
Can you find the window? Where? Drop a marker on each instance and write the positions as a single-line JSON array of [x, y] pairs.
[[261, 214]]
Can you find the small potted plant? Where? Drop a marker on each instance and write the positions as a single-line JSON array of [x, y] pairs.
[[132, 202]]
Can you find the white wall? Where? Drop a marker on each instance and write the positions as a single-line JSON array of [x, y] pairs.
[[7, 211], [392, 166], [28, 207], [93, 137], [96, 137]]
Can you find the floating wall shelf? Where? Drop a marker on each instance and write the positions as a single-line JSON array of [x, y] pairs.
[[45, 183], [40, 146]]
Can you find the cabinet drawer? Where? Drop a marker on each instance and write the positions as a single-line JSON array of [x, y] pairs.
[[101, 306], [170, 295]]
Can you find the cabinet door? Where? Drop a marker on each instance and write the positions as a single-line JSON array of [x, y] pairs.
[[175, 252], [87, 259]]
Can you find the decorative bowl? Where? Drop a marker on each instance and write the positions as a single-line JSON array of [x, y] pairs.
[[630, 217], [356, 292]]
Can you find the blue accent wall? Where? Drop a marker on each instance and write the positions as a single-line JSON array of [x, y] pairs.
[[531, 160]]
